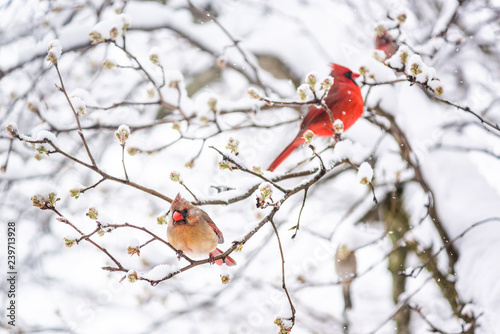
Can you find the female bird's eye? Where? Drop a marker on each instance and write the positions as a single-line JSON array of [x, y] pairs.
[[184, 212]]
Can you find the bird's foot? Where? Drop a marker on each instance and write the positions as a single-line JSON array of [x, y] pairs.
[[211, 258], [179, 254]]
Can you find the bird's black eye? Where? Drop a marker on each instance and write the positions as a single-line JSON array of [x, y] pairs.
[[348, 75], [184, 212]]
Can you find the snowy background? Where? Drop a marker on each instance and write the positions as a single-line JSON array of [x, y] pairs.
[[435, 160]]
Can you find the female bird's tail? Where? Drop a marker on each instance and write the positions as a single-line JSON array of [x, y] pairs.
[[286, 152], [228, 260]]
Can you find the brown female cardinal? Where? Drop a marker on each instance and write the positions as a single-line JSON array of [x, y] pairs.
[[386, 43], [345, 101], [190, 230], [345, 267]]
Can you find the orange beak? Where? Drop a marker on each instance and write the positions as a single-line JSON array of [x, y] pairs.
[[177, 216]]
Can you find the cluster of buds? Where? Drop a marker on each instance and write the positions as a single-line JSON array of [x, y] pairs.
[[308, 136], [32, 106], [45, 202], [311, 80], [338, 127], [96, 37], [258, 170], [264, 196], [111, 29], [54, 51], [176, 126], [326, 84], [69, 242], [132, 276], [175, 177], [103, 230], [253, 94], [78, 104], [212, 104], [174, 83], [134, 250], [122, 134], [225, 279], [225, 164], [232, 145], [154, 56], [303, 91], [75, 193], [108, 64], [132, 151], [162, 220], [284, 325], [92, 213]]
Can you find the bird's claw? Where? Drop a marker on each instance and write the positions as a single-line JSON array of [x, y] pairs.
[[211, 258], [179, 254]]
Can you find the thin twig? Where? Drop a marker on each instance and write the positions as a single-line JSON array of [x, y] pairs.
[[283, 280]]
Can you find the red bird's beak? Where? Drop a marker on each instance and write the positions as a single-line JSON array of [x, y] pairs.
[[177, 216], [355, 75]]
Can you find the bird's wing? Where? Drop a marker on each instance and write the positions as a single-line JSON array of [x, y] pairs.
[[216, 230]]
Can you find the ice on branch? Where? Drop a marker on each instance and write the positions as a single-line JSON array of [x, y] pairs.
[[54, 51], [46, 135], [343, 150], [161, 271], [418, 70], [154, 55], [365, 173], [118, 6], [122, 133], [110, 29], [174, 78], [78, 104], [400, 58]]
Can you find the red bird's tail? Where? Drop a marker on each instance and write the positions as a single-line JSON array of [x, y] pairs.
[[228, 260], [286, 152]]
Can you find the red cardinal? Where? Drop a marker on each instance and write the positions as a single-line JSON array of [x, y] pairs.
[[345, 101], [191, 231], [386, 43]]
